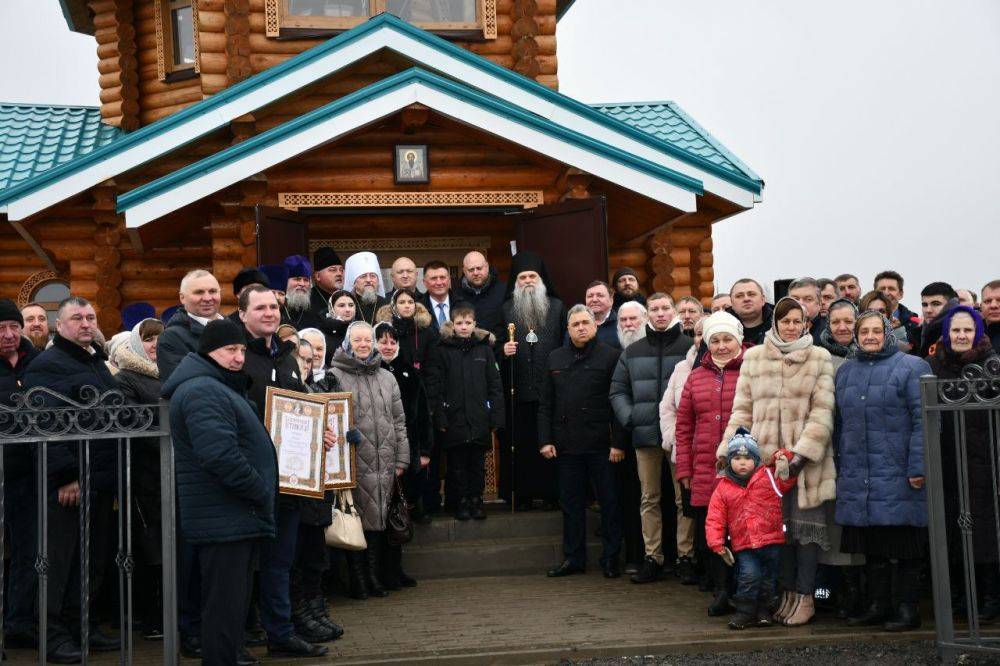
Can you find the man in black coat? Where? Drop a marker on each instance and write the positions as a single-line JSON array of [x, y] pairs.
[[539, 320], [598, 299], [227, 481], [75, 367], [481, 288], [17, 354], [626, 285], [200, 299], [748, 305], [328, 277], [271, 362], [574, 428], [809, 294]]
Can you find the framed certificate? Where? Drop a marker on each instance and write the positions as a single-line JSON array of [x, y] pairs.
[[340, 460], [296, 422]]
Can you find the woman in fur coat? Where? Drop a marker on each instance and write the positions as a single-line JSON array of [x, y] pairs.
[[785, 398]]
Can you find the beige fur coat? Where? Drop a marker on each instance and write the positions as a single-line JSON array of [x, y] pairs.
[[786, 401]]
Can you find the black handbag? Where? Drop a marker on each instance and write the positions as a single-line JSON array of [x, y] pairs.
[[398, 526]]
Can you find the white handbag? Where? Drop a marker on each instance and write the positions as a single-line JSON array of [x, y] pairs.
[[345, 531]]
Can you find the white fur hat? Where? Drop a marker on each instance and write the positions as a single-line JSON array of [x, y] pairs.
[[721, 322]]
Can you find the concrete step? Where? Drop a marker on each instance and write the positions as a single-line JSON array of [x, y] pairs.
[[490, 557], [499, 524]]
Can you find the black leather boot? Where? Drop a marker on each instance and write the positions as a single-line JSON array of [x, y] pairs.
[[878, 602], [907, 614], [394, 561], [307, 626], [477, 509], [373, 564], [720, 602], [462, 510], [319, 611], [358, 585], [745, 615], [850, 593]]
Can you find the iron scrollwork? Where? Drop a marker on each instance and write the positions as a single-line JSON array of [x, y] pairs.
[[978, 384], [42, 414]]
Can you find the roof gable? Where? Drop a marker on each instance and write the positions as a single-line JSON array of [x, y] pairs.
[[382, 32], [35, 138], [669, 123], [380, 99]]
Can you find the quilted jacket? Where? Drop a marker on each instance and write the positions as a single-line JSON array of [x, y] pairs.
[[384, 448], [786, 402], [750, 514], [879, 439], [641, 378], [706, 401]]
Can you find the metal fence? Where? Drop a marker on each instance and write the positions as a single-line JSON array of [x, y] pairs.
[[105, 425], [961, 440]]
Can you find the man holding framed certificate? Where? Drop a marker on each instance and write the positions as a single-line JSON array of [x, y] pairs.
[[271, 363]]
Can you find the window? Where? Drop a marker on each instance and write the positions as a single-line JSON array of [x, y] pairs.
[[452, 18], [176, 39], [49, 296]]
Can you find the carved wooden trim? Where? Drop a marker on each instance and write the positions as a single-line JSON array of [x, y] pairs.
[[488, 12], [523, 198], [161, 59], [36, 281], [165, 41], [196, 26], [349, 245], [272, 18]]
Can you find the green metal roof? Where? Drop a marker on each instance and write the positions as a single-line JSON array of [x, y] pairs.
[[33, 139], [669, 123]]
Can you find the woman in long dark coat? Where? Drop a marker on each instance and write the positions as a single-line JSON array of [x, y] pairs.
[[412, 323], [139, 381], [878, 435], [964, 343]]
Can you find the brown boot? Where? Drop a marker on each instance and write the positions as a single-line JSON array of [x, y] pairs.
[[803, 613], [785, 607]]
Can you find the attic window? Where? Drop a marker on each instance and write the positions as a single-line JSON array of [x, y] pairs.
[[176, 39], [465, 19]]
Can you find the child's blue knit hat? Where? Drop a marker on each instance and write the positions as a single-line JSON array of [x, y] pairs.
[[743, 444]]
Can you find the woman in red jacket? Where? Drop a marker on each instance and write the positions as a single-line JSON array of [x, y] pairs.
[[747, 505], [702, 417]]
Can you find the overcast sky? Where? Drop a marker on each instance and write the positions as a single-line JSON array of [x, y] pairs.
[[875, 125]]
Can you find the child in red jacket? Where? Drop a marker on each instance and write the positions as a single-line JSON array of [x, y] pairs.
[[747, 505]]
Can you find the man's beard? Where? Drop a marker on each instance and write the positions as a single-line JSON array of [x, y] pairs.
[[368, 296], [625, 338], [297, 301], [38, 339], [531, 305]]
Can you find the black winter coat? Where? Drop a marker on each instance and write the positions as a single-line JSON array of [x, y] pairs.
[[948, 365], [416, 405], [180, 337], [531, 362], [17, 458], [417, 336], [366, 313], [993, 332], [67, 368], [227, 470], [319, 301], [487, 301], [640, 379], [312, 510], [465, 388], [575, 411]]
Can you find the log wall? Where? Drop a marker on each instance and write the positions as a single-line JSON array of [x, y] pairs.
[[233, 45]]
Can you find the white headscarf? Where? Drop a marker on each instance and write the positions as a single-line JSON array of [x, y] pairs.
[[116, 340], [357, 265], [135, 341]]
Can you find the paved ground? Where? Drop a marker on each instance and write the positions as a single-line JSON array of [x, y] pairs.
[[536, 620]]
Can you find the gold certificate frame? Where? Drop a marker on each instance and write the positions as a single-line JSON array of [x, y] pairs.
[[296, 422], [341, 460]]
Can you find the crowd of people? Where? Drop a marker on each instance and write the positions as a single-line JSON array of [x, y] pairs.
[[746, 448]]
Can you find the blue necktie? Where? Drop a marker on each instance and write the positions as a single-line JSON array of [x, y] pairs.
[[441, 316]]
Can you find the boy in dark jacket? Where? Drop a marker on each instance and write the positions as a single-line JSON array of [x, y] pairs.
[[467, 404], [747, 505]]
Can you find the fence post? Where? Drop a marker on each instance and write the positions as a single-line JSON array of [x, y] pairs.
[[171, 654], [940, 575]]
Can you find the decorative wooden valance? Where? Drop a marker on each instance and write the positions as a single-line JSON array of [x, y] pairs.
[[351, 245], [165, 39], [276, 16], [490, 199]]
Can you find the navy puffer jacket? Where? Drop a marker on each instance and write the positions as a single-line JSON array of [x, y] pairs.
[[878, 436], [227, 471]]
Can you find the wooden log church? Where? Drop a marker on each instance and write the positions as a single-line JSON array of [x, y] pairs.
[[232, 132]]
